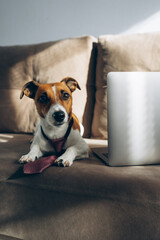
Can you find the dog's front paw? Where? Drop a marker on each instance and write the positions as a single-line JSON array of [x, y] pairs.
[[63, 162], [27, 158]]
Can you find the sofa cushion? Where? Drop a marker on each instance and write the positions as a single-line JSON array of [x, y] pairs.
[[46, 62], [91, 176], [137, 52], [86, 176]]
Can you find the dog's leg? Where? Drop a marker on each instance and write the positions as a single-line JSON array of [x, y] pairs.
[[34, 154], [72, 153]]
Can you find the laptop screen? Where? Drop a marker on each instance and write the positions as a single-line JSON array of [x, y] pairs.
[[133, 118]]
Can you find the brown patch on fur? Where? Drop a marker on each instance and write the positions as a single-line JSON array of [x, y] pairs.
[[76, 122], [43, 108], [71, 83], [46, 90], [67, 104]]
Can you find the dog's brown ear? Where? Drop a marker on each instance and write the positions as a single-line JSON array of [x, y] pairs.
[[71, 83], [29, 89]]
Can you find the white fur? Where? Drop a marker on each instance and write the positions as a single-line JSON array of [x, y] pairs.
[[75, 145], [54, 90], [52, 130]]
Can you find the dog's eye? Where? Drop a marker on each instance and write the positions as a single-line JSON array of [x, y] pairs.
[[65, 95], [43, 98]]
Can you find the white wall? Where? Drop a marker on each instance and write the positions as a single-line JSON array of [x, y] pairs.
[[33, 21]]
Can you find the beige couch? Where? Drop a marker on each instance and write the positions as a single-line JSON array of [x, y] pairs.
[[89, 200]]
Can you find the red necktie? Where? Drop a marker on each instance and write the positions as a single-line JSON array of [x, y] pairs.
[[41, 164]]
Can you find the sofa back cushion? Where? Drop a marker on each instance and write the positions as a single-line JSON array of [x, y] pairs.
[[46, 63], [137, 52]]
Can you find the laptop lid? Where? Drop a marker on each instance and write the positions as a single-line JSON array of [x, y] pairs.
[[133, 118]]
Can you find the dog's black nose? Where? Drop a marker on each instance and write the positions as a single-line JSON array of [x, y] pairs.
[[59, 116]]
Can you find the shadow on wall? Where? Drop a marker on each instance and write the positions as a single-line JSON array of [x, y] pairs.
[[151, 24]]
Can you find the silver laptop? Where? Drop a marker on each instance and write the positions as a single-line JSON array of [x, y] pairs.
[[133, 100]]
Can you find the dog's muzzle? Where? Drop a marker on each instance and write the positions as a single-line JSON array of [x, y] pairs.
[[58, 116]]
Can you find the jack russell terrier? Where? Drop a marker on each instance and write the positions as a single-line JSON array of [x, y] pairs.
[[54, 105]]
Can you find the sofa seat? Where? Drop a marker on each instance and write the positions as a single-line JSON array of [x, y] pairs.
[[88, 200]]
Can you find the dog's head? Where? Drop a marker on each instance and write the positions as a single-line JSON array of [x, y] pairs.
[[53, 100]]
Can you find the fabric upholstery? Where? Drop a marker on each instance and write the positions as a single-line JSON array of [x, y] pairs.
[[88, 200], [45, 62], [137, 52]]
